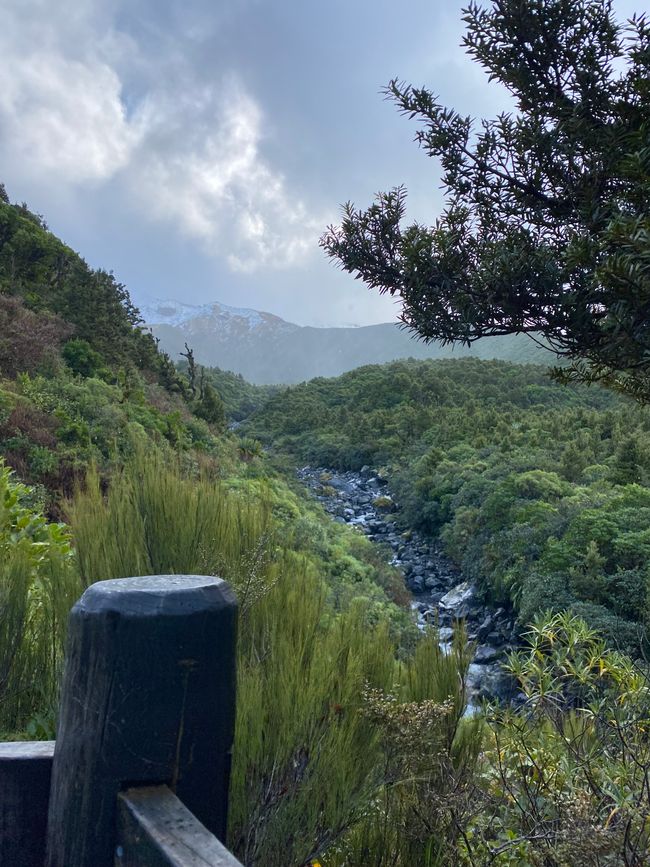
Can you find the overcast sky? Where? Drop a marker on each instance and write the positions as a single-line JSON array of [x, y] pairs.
[[198, 149]]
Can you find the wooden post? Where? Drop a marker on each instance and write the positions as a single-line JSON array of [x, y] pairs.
[[148, 697], [25, 770]]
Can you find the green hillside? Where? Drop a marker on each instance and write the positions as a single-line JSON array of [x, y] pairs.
[[540, 492]]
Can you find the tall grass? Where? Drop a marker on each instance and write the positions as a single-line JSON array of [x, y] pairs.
[[310, 760], [38, 585], [156, 520], [306, 757], [428, 755]]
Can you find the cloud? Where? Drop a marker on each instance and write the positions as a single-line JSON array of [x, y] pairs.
[[82, 102], [201, 165], [61, 113]]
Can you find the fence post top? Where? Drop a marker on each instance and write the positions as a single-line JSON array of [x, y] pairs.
[[148, 595]]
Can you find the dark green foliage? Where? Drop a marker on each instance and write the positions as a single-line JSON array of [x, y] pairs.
[[82, 359], [538, 490], [50, 278], [240, 398], [210, 407], [546, 226]]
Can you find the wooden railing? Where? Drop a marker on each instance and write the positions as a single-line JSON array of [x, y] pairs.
[[139, 771]]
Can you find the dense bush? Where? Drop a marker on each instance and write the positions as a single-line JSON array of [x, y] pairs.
[[538, 491]]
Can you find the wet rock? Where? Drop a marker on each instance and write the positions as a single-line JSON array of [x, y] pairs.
[[486, 654], [351, 498], [460, 600], [417, 584]]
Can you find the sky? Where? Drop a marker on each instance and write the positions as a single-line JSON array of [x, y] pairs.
[[199, 149]]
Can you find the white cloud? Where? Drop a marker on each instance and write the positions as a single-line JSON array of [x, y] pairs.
[[186, 152], [61, 114], [65, 118], [200, 165]]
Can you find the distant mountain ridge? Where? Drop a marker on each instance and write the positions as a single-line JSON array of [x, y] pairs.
[[266, 349]]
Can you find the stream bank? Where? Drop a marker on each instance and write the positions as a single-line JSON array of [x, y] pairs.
[[440, 593]]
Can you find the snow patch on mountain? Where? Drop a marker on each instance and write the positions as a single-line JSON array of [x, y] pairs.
[[176, 313]]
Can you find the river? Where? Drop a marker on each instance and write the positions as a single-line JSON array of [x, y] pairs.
[[440, 593]]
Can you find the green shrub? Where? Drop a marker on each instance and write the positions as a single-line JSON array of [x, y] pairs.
[[38, 585], [82, 359]]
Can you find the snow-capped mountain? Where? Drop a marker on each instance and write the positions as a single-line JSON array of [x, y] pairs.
[[267, 349], [177, 315]]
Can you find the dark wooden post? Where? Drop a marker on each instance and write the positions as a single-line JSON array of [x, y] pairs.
[[25, 770], [148, 697]]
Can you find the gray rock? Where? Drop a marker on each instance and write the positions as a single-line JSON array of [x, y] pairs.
[[486, 654], [459, 601]]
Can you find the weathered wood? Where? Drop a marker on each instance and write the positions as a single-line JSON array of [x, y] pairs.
[[25, 771], [154, 829], [148, 697]]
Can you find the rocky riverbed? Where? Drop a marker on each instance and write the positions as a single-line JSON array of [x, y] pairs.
[[440, 594]]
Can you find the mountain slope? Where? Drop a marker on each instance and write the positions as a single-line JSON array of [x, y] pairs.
[[266, 349]]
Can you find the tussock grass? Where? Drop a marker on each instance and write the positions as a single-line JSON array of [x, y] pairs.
[[38, 585], [309, 760], [156, 520]]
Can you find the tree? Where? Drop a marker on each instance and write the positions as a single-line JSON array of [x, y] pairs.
[[82, 359], [191, 370], [210, 407], [546, 227]]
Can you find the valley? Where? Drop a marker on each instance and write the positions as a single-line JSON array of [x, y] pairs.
[[442, 598], [441, 567], [267, 350]]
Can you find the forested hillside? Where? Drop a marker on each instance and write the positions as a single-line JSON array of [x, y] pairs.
[[79, 379], [540, 492]]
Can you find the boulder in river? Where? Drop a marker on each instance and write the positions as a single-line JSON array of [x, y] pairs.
[[460, 600], [486, 654]]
